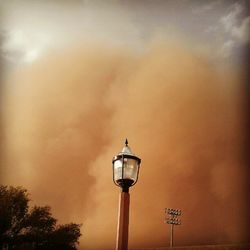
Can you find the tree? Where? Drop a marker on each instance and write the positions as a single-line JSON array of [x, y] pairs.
[[35, 228], [13, 211], [64, 237]]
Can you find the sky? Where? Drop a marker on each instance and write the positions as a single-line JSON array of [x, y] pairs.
[[32, 27], [78, 77]]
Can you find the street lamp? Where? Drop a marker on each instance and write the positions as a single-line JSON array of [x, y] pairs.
[[125, 174]]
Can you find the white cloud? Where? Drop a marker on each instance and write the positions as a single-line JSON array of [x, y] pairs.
[[28, 46], [230, 20], [211, 29], [236, 28], [241, 32], [201, 9], [227, 48], [34, 28]]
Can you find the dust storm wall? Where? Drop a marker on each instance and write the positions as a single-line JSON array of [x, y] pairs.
[[68, 114]]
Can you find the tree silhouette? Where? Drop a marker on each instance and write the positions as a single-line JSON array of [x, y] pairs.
[[35, 228]]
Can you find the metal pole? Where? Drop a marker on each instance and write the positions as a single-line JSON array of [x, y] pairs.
[[172, 235], [123, 222]]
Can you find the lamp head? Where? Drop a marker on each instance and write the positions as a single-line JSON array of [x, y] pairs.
[[125, 168]]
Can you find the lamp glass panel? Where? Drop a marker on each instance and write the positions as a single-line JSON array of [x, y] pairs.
[[118, 169], [130, 169]]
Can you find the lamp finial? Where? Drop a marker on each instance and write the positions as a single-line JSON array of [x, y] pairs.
[[126, 142]]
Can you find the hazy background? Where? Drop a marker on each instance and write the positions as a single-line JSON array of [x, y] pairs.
[[78, 77]]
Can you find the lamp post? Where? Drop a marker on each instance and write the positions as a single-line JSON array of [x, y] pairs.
[[172, 220], [125, 174]]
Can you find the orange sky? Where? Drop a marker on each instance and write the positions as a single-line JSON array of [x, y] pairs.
[[67, 113]]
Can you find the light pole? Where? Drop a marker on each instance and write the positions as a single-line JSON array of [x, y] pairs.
[[172, 220], [125, 174]]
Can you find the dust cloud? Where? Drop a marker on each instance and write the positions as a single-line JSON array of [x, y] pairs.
[[69, 113]]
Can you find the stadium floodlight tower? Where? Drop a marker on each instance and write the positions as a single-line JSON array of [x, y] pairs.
[[125, 174], [172, 220]]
